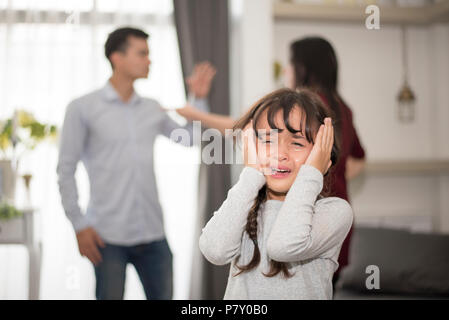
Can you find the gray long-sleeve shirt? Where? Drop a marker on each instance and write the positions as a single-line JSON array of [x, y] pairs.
[[305, 233], [114, 140]]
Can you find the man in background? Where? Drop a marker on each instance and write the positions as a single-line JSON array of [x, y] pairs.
[[112, 132]]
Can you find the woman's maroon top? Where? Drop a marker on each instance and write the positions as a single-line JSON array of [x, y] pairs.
[[349, 146]]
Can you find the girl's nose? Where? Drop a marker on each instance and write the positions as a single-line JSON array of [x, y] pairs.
[[281, 152], [282, 156]]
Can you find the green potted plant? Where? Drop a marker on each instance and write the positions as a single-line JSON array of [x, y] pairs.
[[8, 212], [19, 134]]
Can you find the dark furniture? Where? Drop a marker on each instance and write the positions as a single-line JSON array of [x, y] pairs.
[[408, 265]]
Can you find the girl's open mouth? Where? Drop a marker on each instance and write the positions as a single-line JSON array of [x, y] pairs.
[[280, 172]]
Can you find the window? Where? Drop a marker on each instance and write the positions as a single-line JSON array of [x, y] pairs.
[[50, 53]]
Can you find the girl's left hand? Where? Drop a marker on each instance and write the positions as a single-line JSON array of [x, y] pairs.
[[320, 155]]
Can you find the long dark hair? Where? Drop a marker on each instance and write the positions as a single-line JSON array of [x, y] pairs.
[[316, 67], [315, 112]]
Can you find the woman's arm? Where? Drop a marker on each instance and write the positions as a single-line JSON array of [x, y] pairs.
[[221, 238], [210, 120], [354, 167], [356, 158]]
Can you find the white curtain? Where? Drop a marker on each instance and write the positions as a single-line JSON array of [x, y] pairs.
[[50, 53]]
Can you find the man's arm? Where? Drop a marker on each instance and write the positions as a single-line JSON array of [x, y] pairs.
[[74, 133], [199, 84], [197, 108], [176, 132], [73, 140], [210, 120], [184, 134], [200, 81]]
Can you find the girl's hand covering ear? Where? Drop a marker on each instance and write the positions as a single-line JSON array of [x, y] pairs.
[[250, 157], [320, 155]]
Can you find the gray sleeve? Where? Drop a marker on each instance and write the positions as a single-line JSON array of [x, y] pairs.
[[306, 229], [183, 134], [74, 133], [221, 238], [200, 103]]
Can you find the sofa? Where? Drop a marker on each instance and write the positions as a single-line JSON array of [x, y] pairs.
[[386, 263]]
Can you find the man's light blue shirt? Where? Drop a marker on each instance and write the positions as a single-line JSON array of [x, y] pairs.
[[114, 140]]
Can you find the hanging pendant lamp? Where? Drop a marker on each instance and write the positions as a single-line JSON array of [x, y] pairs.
[[406, 97]]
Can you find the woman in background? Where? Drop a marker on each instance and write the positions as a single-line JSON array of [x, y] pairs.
[[313, 64]]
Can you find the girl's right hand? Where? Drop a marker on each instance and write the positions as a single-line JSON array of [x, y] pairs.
[[320, 156]]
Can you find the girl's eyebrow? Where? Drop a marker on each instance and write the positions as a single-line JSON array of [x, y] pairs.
[[297, 136], [268, 133], [265, 132]]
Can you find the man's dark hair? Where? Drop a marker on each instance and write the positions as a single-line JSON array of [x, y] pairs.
[[118, 40]]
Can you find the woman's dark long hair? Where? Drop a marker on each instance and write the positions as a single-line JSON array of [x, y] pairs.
[[316, 67], [314, 112]]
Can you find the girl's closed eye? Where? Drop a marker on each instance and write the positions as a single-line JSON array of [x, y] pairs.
[[296, 146]]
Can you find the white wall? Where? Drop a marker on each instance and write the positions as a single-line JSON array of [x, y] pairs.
[[439, 37], [440, 75], [256, 51]]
